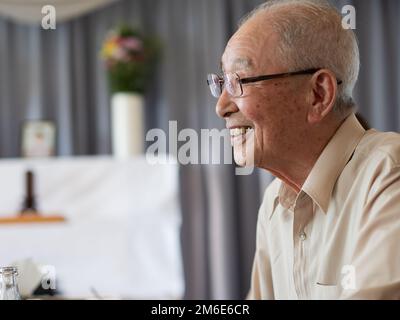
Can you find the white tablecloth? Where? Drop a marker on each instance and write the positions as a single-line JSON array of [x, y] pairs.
[[121, 238]]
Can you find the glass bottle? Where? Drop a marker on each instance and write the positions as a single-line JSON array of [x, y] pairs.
[[8, 284]]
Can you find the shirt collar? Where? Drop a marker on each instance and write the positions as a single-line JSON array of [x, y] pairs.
[[333, 159], [331, 162]]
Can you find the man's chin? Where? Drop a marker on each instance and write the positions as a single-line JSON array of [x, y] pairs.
[[241, 158], [243, 151]]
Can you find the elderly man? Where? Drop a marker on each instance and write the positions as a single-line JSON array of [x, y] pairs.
[[329, 225]]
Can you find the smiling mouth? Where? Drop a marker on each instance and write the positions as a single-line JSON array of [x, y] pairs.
[[240, 131]]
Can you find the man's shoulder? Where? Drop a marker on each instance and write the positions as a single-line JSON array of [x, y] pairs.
[[381, 146]]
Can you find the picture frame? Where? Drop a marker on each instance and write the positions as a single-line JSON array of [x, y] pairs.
[[38, 138]]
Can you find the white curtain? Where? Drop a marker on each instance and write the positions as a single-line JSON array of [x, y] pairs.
[[30, 11]]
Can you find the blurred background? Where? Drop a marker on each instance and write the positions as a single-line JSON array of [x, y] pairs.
[[201, 234]]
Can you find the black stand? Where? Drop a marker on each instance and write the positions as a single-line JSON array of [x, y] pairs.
[[29, 204]]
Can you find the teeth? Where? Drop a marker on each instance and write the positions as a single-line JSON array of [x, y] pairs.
[[239, 131]]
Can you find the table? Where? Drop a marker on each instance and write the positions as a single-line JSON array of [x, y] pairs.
[[121, 234]]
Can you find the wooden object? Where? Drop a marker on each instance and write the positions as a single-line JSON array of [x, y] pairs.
[[31, 218]]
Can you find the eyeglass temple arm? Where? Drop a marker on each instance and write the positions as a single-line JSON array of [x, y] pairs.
[[282, 75]]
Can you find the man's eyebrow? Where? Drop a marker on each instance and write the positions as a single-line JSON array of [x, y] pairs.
[[239, 63]]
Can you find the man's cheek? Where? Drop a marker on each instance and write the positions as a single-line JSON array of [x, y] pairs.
[[254, 112]]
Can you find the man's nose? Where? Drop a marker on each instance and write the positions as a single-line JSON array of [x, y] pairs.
[[225, 106]]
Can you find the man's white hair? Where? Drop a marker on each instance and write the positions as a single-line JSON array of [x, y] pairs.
[[311, 36]]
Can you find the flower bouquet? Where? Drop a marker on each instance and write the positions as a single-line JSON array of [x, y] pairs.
[[130, 58]]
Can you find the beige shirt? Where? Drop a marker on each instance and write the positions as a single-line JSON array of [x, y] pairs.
[[339, 237]]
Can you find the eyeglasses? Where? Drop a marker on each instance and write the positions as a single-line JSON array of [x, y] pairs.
[[234, 85]]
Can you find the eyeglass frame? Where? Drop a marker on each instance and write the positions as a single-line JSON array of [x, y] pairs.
[[265, 77]]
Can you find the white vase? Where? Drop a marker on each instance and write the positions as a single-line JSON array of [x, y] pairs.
[[127, 124]]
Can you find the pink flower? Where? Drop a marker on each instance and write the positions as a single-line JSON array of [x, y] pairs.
[[120, 54], [131, 43]]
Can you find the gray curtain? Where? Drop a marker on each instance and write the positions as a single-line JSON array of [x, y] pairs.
[[57, 75]]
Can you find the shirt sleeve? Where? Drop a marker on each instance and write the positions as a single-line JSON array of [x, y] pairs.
[[376, 258]]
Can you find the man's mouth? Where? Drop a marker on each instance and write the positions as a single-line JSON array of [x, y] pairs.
[[239, 131]]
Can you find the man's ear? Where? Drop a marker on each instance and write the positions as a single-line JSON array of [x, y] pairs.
[[323, 95]]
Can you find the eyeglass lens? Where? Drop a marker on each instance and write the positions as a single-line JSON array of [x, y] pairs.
[[230, 81]]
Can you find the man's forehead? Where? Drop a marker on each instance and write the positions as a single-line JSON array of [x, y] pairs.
[[240, 55], [248, 48], [239, 63]]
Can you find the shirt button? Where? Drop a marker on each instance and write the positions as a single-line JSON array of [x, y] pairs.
[[303, 236]]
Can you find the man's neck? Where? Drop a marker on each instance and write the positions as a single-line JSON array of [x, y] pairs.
[[294, 168]]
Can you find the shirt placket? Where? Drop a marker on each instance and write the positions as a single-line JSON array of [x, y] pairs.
[[302, 216]]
